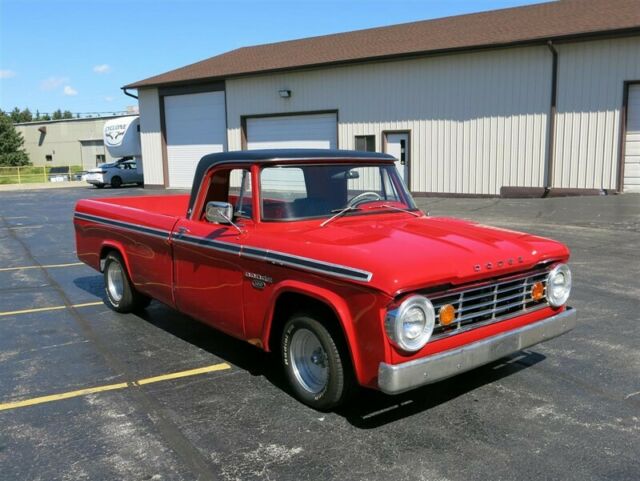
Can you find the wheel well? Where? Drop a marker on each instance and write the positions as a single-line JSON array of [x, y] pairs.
[[104, 253], [291, 302]]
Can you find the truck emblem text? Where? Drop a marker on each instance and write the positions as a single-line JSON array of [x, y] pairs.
[[499, 264]]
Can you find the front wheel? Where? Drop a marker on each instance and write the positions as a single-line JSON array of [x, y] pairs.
[[318, 370], [121, 295]]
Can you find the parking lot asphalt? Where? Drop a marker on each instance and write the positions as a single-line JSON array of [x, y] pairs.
[[567, 409]]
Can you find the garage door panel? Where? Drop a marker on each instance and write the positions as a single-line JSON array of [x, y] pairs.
[[195, 126], [317, 131], [632, 142]]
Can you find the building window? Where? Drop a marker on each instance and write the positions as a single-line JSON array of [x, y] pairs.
[[366, 143], [48, 158], [100, 159]]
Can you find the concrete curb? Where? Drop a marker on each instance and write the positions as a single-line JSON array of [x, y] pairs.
[[42, 186]]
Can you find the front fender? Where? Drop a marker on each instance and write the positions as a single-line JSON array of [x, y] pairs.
[[363, 346]]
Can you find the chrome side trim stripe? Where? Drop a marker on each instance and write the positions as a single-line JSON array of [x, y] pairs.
[[208, 243], [282, 259], [123, 225], [264, 255]]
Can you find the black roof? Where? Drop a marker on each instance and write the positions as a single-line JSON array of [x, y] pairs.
[[278, 156]]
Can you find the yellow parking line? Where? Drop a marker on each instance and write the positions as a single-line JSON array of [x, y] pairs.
[[61, 396], [45, 309], [177, 375], [50, 266], [112, 387]]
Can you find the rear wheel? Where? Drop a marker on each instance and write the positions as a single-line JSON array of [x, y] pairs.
[[121, 295], [318, 370], [116, 182]]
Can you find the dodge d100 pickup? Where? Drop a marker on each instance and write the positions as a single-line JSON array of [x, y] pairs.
[[322, 256]]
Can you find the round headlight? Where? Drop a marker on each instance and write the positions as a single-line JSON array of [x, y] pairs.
[[410, 325], [559, 285]]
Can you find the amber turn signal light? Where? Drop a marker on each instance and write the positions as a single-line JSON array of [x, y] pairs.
[[537, 291], [447, 314]]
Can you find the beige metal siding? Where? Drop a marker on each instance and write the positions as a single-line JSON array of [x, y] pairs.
[[478, 121], [591, 76], [151, 136]]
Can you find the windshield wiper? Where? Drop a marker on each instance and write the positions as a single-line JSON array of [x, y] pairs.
[[340, 212], [393, 207]]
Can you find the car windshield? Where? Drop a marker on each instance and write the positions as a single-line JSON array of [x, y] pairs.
[[295, 192]]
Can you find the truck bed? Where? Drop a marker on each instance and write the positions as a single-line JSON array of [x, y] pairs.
[[139, 228], [169, 205]]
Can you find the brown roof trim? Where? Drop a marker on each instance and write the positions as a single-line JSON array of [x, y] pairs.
[[404, 56], [582, 20]]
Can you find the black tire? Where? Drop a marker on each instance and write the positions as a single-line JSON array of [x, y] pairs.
[[123, 298], [99, 186], [339, 384], [116, 182]]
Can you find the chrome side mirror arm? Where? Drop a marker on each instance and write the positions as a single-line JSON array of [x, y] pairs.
[[220, 213]]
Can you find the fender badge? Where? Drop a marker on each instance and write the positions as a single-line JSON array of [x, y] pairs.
[[258, 281]]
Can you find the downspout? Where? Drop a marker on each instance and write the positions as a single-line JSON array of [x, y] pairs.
[[124, 89], [552, 118]]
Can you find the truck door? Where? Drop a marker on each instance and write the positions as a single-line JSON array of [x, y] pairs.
[[208, 272]]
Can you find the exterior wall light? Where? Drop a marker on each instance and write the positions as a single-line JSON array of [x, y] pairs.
[[284, 93]]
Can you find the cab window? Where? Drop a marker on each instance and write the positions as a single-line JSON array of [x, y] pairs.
[[232, 186]]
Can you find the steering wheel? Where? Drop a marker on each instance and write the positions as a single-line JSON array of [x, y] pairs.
[[364, 197]]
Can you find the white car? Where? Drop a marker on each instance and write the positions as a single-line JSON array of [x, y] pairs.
[[115, 174]]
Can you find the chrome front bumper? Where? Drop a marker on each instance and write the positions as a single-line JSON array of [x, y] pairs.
[[397, 378]]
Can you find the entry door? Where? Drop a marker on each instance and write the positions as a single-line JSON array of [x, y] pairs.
[[397, 145], [632, 142]]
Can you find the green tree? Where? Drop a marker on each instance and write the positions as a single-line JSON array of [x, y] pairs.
[[57, 115], [18, 115], [15, 115], [12, 151], [26, 115], [67, 115]]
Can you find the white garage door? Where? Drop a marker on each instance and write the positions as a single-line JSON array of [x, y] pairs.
[[632, 142], [316, 131], [195, 126]]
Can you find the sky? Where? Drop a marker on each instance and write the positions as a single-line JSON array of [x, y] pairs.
[[76, 54]]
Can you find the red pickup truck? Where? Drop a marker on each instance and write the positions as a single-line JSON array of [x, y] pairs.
[[323, 257]]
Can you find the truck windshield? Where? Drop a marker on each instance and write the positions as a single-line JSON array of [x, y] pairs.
[[295, 192]]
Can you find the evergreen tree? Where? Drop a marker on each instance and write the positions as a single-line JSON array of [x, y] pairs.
[[26, 115], [12, 151]]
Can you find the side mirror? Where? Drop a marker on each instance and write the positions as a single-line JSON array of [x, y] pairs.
[[219, 212]]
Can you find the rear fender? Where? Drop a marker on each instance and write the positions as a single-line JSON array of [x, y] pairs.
[[110, 245]]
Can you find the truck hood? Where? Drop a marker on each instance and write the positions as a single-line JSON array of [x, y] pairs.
[[411, 253]]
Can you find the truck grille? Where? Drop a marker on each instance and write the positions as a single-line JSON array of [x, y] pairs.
[[488, 303]]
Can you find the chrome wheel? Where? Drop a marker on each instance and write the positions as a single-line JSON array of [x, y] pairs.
[[115, 281], [309, 361]]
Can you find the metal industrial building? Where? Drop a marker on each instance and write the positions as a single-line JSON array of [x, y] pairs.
[[529, 99], [66, 141]]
